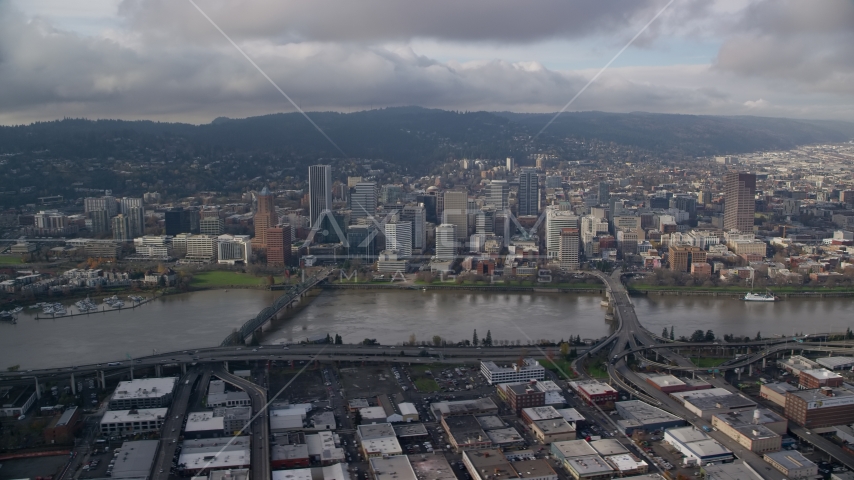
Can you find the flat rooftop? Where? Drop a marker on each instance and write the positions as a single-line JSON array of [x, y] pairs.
[[737, 470], [554, 426], [836, 362], [709, 392], [608, 446], [288, 452], [139, 415], [491, 461], [502, 436], [593, 387], [748, 417], [756, 432], [538, 468], [410, 430], [215, 453], [144, 388], [817, 395], [135, 459], [541, 413], [625, 462], [490, 422], [790, 459], [375, 430], [293, 474], [432, 467], [643, 413], [574, 448], [589, 465], [782, 387], [665, 381], [821, 374], [730, 401], [462, 407], [203, 422], [571, 415], [65, 418], [465, 429], [396, 467]]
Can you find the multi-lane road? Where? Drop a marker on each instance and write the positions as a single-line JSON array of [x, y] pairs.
[[259, 428], [174, 424]]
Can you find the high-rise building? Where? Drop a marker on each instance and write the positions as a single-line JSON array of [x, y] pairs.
[[604, 193], [121, 229], [570, 244], [200, 248], [126, 203], [529, 193], [136, 221], [362, 242], [556, 221], [497, 193], [391, 194], [398, 236], [485, 221], [234, 249], [213, 226], [417, 216], [279, 245], [446, 241], [510, 164], [429, 202], [592, 227], [177, 220], [319, 191], [100, 221], [456, 212], [363, 201], [106, 202], [739, 201], [265, 216]]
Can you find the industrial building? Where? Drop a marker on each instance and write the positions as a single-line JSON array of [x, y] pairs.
[[581, 460], [465, 433], [819, 377], [749, 431], [696, 447], [776, 392], [529, 370], [521, 395], [671, 384], [378, 439], [131, 422], [705, 403], [62, 428], [836, 363], [792, 464], [638, 415], [135, 459], [214, 454], [396, 467], [475, 406], [822, 407], [488, 465], [143, 393], [204, 425], [737, 470]]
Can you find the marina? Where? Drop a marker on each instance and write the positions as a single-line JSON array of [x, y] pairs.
[[87, 306]]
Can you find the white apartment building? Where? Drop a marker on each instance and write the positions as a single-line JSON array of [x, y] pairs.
[[570, 246], [233, 249], [398, 236], [556, 221], [446, 241], [529, 370]]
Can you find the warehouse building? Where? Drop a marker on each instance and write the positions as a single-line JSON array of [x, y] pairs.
[[203, 425], [705, 403], [670, 384], [792, 464], [396, 467], [822, 407], [776, 392], [638, 415], [477, 406], [819, 377], [143, 393], [836, 363], [210, 454], [696, 447], [465, 433], [488, 465], [595, 393], [135, 459], [737, 470], [377, 439], [581, 460], [131, 422]]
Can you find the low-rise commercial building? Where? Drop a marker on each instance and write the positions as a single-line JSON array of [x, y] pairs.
[[62, 428], [131, 422], [204, 425], [552, 430], [595, 393], [322, 448], [478, 406], [289, 456], [521, 395], [776, 392], [581, 460], [696, 447], [235, 419], [819, 377], [792, 464], [671, 384], [537, 469], [754, 437], [705, 403], [396, 467], [737, 470], [211, 454], [143, 393], [488, 465], [627, 465], [432, 467], [378, 439], [135, 459], [529, 370], [465, 433], [638, 415]]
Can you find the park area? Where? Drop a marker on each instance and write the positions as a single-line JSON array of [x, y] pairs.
[[10, 260], [220, 278]]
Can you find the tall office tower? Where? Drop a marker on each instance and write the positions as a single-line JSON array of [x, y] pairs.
[[497, 193], [485, 221], [265, 216], [446, 241], [107, 202], [136, 221], [100, 221], [511, 164], [213, 226], [440, 207], [569, 249], [121, 229], [529, 193], [362, 242], [177, 220], [279, 245], [739, 202], [398, 236], [556, 221], [363, 201], [429, 202], [417, 216], [456, 212], [319, 191], [604, 193]]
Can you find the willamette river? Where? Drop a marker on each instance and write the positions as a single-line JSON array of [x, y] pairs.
[[205, 318]]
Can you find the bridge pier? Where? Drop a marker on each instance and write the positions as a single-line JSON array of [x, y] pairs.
[[183, 368], [764, 362], [73, 385], [158, 371], [103, 380], [225, 365], [38, 390]]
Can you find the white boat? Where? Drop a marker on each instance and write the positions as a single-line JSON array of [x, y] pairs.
[[759, 297], [17, 309]]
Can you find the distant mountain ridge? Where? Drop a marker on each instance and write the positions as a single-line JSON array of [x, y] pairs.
[[411, 135]]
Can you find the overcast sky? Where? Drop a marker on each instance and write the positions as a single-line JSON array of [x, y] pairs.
[[162, 60]]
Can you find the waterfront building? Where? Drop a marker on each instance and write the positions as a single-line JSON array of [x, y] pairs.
[[446, 241], [143, 393], [398, 237], [363, 201], [456, 213], [530, 369], [265, 216], [739, 201], [279, 245], [234, 249], [417, 216]]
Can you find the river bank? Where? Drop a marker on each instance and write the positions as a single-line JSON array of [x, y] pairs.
[[783, 292]]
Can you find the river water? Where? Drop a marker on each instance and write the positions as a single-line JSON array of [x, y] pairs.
[[174, 322], [204, 319]]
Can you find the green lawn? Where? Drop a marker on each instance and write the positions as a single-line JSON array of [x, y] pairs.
[[426, 385], [560, 366], [708, 362], [597, 371], [218, 278], [10, 260]]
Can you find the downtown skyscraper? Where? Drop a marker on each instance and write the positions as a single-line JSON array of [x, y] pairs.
[[739, 201], [529, 193], [319, 192]]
